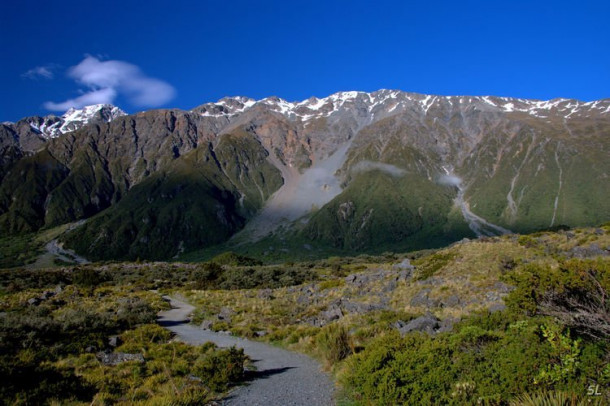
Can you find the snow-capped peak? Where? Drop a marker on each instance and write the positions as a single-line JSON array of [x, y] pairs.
[[107, 112], [52, 126], [385, 102]]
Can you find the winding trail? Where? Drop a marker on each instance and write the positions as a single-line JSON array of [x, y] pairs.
[[282, 377]]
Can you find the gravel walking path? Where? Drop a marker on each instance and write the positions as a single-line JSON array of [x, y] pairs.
[[281, 378]]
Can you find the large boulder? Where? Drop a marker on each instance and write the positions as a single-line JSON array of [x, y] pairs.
[[427, 323]]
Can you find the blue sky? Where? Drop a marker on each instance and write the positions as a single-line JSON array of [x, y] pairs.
[[181, 54]]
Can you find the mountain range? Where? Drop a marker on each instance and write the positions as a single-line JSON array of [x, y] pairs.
[[355, 171]]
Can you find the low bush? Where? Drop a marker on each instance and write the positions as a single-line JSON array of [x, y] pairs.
[[233, 259], [472, 365], [334, 343]]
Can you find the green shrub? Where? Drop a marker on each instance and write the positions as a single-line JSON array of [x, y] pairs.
[[207, 275], [573, 292], [143, 337], [481, 361], [334, 343], [233, 259], [87, 277], [219, 368]]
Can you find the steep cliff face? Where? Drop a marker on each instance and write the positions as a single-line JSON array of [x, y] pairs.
[[354, 171]]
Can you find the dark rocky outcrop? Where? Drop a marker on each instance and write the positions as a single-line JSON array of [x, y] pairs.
[[427, 323]]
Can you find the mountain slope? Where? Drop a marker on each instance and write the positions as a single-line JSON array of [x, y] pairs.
[[355, 170], [200, 199], [31, 134]]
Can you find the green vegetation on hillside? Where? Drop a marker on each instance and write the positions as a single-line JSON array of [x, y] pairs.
[[77, 337], [377, 212], [199, 200]]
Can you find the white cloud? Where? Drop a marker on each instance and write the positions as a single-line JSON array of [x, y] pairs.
[[100, 96], [365, 166], [105, 80], [450, 180], [39, 72]]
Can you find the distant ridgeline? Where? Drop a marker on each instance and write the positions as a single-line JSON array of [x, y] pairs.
[[353, 172]]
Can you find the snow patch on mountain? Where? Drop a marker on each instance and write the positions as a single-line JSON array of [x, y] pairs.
[[385, 103], [52, 126]]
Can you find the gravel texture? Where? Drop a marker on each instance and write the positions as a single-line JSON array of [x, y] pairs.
[[281, 377]]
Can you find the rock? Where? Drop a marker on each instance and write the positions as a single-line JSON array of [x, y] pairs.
[[451, 301], [114, 341], [431, 281], [260, 333], [389, 287], [116, 358], [33, 301], [399, 324], [405, 265], [90, 349], [47, 294], [265, 294], [361, 279], [346, 210], [360, 308], [315, 321], [599, 231], [446, 325], [422, 299], [592, 250], [332, 313], [194, 378], [351, 278], [497, 307], [427, 324], [206, 324], [304, 300], [225, 314], [502, 287], [404, 275]]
